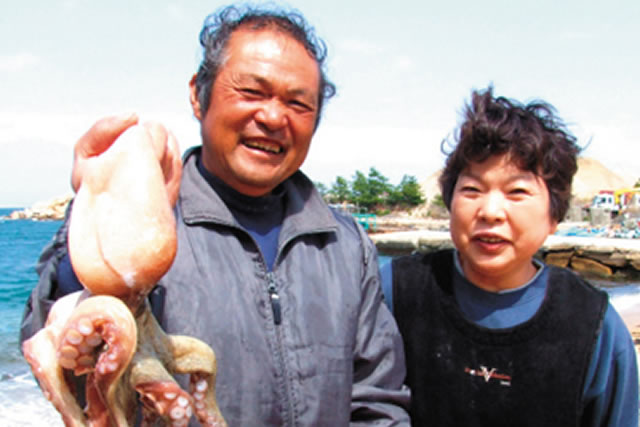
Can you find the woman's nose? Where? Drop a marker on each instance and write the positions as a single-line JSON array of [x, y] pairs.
[[493, 207]]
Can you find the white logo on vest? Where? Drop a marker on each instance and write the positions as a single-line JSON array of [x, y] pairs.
[[489, 374]]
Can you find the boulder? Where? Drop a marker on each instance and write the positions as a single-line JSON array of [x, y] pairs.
[[590, 267]]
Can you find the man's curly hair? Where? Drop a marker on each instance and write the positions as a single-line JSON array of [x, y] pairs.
[[220, 25]]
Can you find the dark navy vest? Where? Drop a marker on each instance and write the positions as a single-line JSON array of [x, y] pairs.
[[461, 374]]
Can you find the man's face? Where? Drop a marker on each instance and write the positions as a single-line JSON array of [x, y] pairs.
[[262, 112], [499, 219]]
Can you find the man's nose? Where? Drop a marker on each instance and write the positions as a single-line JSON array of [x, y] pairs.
[[493, 207], [272, 114]]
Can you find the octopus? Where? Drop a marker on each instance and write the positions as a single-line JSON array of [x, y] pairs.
[[122, 239]]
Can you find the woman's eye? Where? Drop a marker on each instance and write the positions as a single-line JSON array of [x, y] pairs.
[[469, 188]]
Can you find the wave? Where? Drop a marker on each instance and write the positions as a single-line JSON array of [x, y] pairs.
[[23, 404]]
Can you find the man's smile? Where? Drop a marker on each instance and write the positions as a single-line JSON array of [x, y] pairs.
[[268, 146]]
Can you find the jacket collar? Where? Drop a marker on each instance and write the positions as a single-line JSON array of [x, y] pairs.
[[305, 210]]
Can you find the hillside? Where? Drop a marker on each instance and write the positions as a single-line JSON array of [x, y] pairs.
[[593, 176]]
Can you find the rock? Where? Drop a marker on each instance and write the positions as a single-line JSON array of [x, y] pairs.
[[53, 209], [613, 259], [559, 259], [635, 263], [590, 267]]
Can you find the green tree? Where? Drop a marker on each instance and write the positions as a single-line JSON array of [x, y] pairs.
[[379, 185], [340, 191], [372, 190], [407, 193], [360, 190]]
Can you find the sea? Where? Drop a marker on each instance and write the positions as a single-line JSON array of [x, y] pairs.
[[21, 402]]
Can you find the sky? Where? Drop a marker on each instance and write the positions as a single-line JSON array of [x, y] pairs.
[[403, 69]]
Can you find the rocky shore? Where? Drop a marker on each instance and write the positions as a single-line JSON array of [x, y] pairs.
[[42, 211]]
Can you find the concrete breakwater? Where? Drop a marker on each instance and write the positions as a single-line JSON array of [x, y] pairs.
[[595, 257]]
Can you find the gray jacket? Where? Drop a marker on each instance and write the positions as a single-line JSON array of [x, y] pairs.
[[310, 343]]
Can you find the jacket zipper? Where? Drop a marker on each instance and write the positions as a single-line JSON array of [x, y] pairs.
[[277, 319], [275, 299]]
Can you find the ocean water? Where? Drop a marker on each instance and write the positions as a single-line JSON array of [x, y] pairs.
[[21, 402]]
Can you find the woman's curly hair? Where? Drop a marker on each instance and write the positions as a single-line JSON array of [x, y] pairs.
[[533, 137]]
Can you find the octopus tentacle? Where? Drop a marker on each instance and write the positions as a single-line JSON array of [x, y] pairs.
[[202, 387], [100, 335], [159, 356], [95, 335], [192, 356], [112, 320], [159, 392], [40, 353], [167, 399]]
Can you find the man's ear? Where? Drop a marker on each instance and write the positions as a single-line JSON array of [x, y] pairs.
[[193, 97]]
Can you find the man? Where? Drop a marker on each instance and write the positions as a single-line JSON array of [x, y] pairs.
[[283, 289]]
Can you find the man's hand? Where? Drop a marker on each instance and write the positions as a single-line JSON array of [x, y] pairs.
[[96, 141]]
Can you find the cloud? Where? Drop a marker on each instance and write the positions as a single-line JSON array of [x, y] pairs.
[[18, 62]]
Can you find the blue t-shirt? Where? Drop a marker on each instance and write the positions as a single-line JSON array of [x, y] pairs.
[[260, 216]]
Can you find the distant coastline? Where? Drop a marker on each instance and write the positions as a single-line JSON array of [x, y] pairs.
[[49, 210]]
